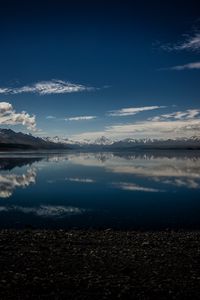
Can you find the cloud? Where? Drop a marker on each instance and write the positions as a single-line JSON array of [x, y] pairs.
[[50, 117], [8, 116], [80, 118], [156, 129], [132, 110], [177, 124], [4, 90], [81, 180], [77, 118], [191, 42], [190, 66], [180, 182], [178, 115], [53, 86]]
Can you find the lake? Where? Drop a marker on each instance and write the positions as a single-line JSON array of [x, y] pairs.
[[123, 190]]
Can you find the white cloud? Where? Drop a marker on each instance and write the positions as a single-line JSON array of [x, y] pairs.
[[80, 118], [53, 86], [134, 187], [156, 129], [8, 116], [190, 66], [180, 182], [82, 180], [178, 115], [5, 107], [77, 118], [132, 110], [190, 43], [4, 90], [177, 124], [50, 117]]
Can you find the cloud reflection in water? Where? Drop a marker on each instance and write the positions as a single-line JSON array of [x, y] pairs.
[[46, 211], [9, 182], [180, 171]]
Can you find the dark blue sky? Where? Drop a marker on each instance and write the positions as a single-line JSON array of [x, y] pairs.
[[121, 50]]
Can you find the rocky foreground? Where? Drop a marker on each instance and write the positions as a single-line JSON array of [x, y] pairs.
[[42, 264]]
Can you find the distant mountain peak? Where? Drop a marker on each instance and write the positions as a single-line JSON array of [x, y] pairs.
[[103, 141]]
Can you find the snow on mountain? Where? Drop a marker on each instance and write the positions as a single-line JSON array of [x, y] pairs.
[[105, 142], [192, 142], [62, 140], [9, 138], [58, 140]]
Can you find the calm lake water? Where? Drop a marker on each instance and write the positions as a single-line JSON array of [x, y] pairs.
[[137, 190]]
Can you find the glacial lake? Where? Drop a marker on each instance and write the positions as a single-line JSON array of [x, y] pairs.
[[124, 190]]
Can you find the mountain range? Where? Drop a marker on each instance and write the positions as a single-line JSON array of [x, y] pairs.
[[10, 139], [103, 142], [18, 140]]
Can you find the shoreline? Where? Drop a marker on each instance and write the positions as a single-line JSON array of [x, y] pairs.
[[101, 264]]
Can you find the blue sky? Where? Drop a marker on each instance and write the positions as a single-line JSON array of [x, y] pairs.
[[91, 68]]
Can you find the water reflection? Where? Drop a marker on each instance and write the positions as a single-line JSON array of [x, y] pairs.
[[134, 187], [181, 171], [46, 211], [83, 180], [107, 189], [9, 182], [9, 163]]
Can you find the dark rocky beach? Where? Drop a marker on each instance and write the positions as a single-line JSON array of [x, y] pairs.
[[104, 264]]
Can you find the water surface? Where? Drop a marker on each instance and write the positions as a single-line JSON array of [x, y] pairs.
[[138, 190]]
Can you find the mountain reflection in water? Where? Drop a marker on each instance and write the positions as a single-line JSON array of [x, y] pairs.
[[79, 188]]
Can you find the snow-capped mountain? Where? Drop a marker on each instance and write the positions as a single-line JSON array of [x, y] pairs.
[[192, 142], [10, 139], [106, 143], [58, 140], [86, 142], [103, 141]]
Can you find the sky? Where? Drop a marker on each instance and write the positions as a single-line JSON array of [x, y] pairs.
[[83, 69]]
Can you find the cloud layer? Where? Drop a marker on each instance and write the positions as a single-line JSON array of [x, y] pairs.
[[178, 115], [47, 88], [176, 124], [8, 116], [82, 180], [156, 129], [80, 118], [191, 43], [190, 66], [132, 110]]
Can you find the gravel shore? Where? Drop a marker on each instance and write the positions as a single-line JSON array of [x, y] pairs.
[[104, 264]]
